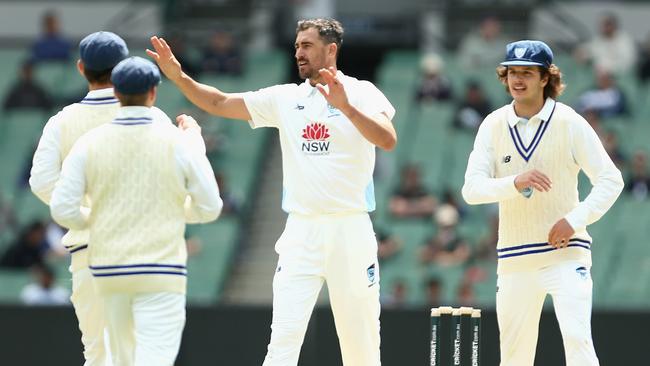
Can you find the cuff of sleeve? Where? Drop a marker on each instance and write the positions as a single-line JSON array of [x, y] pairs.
[[509, 187], [576, 218]]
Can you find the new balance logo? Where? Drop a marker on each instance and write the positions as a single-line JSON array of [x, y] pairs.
[[506, 159]]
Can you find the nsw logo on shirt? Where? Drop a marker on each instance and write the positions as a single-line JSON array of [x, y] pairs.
[[315, 139]]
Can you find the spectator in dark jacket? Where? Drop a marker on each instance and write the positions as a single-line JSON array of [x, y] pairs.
[[27, 93]]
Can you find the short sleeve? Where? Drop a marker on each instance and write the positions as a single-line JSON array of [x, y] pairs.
[[262, 105], [373, 102]]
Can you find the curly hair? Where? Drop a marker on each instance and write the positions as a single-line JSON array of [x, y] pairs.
[[553, 88], [329, 30]]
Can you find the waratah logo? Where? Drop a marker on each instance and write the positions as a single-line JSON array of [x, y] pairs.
[[316, 135]]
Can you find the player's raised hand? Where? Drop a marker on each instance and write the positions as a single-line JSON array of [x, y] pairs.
[[533, 178], [560, 234], [186, 122], [335, 93], [165, 58]]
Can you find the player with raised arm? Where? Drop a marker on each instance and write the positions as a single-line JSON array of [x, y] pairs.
[[99, 53], [527, 156], [145, 180], [329, 127]]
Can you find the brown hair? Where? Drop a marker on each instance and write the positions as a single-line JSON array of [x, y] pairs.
[[329, 30], [128, 100], [553, 88], [98, 77]]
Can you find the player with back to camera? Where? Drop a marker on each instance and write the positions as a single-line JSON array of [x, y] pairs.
[[329, 127], [99, 53], [145, 179], [527, 156]]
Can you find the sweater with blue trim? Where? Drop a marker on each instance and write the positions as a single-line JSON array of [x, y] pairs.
[[525, 222]]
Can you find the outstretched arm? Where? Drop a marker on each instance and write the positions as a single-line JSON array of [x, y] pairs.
[[210, 99]]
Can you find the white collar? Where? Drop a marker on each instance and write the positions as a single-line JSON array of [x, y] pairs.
[[133, 115], [544, 114], [100, 96]]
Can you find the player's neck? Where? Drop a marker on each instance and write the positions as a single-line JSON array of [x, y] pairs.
[[97, 86], [529, 108]]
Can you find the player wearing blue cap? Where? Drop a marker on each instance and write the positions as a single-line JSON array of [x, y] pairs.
[[145, 180], [98, 53], [329, 126], [527, 156]]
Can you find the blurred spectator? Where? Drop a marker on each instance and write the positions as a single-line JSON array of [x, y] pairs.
[[7, 216], [638, 181], [644, 60], [29, 248], [613, 148], [26, 93], [608, 138], [44, 291], [434, 85], [222, 56], [485, 48], [465, 294], [388, 245], [231, 204], [411, 199], [607, 99], [446, 247], [433, 292], [472, 109], [487, 245], [397, 297], [189, 65], [612, 50], [51, 45], [593, 118]]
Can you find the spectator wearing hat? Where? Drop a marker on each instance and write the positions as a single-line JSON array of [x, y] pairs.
[[446, 247], [99, 52], [434, 85], [527, 156], [145, 180]]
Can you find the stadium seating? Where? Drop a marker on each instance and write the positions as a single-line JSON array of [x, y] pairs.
[[237, 155], [620, 254]]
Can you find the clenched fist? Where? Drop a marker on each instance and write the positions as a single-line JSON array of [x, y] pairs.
[[533, 178]]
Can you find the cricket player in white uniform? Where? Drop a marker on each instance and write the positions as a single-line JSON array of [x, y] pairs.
[[527, 156], [144, 179], [328, 135], [99, 53]]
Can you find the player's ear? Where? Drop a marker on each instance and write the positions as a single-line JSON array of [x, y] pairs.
[[80, 67], [332, 49]]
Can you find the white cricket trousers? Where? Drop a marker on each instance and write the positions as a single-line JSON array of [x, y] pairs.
[[341, 250], [89, 308], [520, 297], [144, 329]]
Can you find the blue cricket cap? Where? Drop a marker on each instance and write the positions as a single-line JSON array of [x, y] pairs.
[[102, 50], [528, 53], [135, 75]]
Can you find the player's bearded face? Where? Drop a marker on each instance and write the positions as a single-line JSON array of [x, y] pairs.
[[525, 83], [310, 53]]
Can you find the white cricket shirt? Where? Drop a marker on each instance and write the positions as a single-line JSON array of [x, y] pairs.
[[327, 163]]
